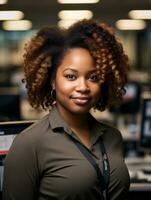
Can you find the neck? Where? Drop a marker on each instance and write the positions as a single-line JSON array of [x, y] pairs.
[[74, 120]]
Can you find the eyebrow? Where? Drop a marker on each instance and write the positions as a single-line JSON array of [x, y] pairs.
[[70, 68]]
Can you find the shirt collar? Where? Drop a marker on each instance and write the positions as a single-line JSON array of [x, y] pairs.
[[57, 122], [97, 127]]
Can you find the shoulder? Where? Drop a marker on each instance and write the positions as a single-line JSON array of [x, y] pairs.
[[113, 139], [31, 136], [110, 131], [109, 127], [38, 127]]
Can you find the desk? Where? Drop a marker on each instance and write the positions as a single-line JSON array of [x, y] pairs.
[[139, 191], [138, 187]]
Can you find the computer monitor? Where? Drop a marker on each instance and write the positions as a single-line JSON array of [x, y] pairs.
[[9, 104], [8, 131], [145, 126], [131, 100]]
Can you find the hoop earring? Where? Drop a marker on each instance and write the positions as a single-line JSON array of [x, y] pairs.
[[53, 94]]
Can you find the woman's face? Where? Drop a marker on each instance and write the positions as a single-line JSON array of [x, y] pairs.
[[76, 82]]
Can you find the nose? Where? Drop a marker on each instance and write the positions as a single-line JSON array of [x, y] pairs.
[[82, 86]]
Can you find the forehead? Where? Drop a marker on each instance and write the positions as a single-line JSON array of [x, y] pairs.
[[79, 58]]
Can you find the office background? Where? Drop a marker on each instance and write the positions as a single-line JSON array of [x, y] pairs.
[[131, 20]]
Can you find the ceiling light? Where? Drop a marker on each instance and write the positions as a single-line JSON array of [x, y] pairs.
[[140, 14], [128, 24], [77, 1], [3, 1], [11, 15], [75, 14], [17, 25], [66, 23]]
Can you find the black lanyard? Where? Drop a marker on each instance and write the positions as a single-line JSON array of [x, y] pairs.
[[103, 178]]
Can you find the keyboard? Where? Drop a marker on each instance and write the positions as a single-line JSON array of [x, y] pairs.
[[139, 170], [138, 180]]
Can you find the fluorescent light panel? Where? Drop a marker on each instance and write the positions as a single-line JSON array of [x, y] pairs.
[[128, 24], [3, 1], [77, 1], [66, 23], [75, 14], [17, 25], [11, 15], [140, 14]]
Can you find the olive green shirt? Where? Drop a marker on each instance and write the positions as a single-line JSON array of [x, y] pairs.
[[44, 164]]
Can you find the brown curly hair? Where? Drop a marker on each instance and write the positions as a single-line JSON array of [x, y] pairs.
[[45, 51]]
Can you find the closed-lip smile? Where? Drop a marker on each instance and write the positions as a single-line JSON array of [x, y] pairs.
[[81, 98]]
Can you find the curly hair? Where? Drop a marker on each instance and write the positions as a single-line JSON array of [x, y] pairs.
[[45, 51]]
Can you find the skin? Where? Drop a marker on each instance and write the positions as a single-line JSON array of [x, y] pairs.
[[77, 90]]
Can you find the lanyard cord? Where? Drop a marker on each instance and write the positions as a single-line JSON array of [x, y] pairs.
[[106, 169], [103, 179]]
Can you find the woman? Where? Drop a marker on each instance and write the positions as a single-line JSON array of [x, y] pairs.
[[69, 154]]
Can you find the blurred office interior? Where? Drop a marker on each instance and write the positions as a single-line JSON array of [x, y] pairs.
[[131, 20]]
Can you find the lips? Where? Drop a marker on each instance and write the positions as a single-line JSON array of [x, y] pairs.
[[80, 100]]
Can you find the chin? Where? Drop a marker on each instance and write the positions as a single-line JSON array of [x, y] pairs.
[[80, 109], [76, 109]]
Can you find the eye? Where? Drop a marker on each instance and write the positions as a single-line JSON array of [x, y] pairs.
[[70, 77], [94, 77]]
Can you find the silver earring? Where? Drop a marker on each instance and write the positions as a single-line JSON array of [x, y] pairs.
[[53, 94]]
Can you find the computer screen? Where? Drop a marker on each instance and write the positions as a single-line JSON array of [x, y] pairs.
[[9, 104], [8, 131], [145, 131], [131, 100]]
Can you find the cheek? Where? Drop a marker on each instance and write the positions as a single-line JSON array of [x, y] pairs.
[[63, 86]]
